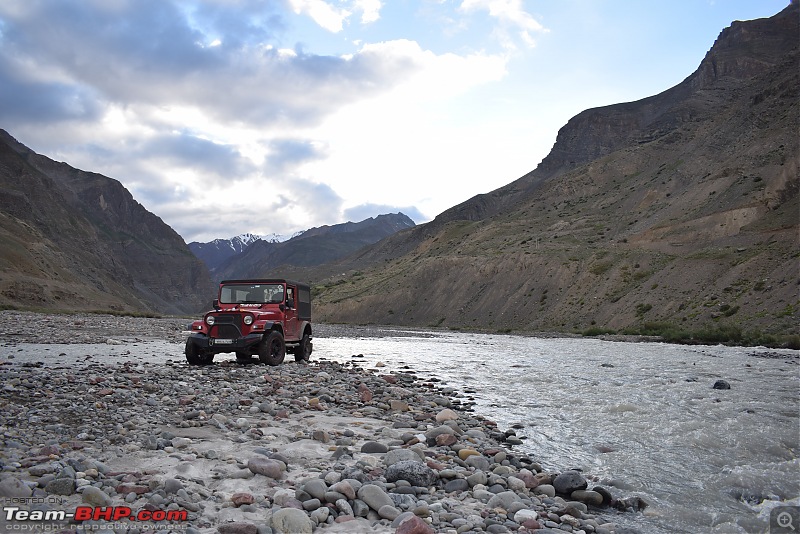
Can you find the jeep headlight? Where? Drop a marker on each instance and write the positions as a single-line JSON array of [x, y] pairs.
[[248, 319], [210, 320]]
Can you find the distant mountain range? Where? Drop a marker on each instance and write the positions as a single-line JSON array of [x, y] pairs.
[[216, 252], [249, 258]]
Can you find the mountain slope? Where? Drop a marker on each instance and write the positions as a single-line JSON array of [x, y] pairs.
[[313, 247], [78, 240], [680, 208]]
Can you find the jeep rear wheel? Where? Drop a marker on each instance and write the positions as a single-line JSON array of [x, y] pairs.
[[303, 351], [272, 350], [195, 356]]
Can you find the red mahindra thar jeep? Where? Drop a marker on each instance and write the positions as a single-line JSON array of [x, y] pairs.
[[266, 318]]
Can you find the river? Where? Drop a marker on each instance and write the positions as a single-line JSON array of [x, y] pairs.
[[643, 417]]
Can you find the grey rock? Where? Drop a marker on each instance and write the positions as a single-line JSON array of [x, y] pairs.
[[457, 485], [589, 497], [316, 488], [345, 488], [311, 504], [291, 521], [267, 467], [95, 497], [503, 500], [344, 507], [373, 447], [388, 512], [399, 455], [61, 486], [360, 508], [478, 462], [172, 485], [13, 487], [374, 496], [478, 477], [416, 473], [320, 515], [569, 481]]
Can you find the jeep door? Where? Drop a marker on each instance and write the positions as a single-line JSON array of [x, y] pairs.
[[291, 324]]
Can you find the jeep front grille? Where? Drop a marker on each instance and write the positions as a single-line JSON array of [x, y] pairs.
[[227, 326]]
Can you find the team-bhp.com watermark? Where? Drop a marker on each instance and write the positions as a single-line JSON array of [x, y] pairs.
[[19, 517]]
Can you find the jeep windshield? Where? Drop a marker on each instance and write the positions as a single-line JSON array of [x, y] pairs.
[[251, 294]]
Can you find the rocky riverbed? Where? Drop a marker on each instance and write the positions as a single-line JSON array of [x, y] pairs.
[[233, 448]]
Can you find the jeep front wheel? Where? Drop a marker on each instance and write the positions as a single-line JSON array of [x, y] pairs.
[[303, 351], [195, 356], [272, 350]]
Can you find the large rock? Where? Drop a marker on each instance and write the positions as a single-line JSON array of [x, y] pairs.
[[267, 467], [569, 481], [291, 521], [416, 473], [374, 496], [95, 497]]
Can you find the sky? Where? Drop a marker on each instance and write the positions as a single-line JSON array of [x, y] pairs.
[[226, 117]]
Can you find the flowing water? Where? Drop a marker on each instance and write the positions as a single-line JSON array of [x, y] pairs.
[[642, 417]]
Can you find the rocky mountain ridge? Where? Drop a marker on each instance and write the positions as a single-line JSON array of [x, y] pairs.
[[679, 210], [76, 240]]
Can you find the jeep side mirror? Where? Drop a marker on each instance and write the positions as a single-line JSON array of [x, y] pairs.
[[290, 303], [215, 304]]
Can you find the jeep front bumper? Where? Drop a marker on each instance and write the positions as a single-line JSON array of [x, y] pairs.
[[217, 345]]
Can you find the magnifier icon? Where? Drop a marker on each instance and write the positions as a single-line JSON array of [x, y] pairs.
[[785, 520]]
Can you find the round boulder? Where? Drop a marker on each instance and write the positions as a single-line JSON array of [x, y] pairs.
[[569, 481], [291, 521]]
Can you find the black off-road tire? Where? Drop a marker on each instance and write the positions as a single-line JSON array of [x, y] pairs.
[[195, 356], [244, 357], [303, 351], [272, 350]]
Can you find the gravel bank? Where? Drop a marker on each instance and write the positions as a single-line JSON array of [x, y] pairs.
[[234, 448]]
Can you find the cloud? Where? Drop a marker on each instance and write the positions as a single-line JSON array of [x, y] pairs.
[[150, 52], [187, 151], [26, 99], [370, 10], [510, 14], [333, 18], [322, 13], [289, 153]]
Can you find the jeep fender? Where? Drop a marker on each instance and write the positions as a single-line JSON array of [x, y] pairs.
[[305, 325], [272, 325]]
